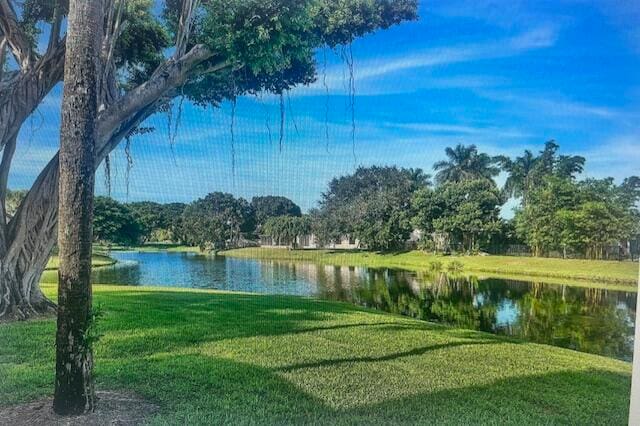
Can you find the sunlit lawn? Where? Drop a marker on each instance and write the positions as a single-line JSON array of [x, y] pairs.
[[595, 270], [210, 358]]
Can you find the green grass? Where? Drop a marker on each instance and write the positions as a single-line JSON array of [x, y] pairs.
[[97, 260], [208, 358], [625, 272]]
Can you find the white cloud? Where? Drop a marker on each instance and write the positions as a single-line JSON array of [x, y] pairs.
[[534, 39], [550, 104], [368, 73], [618, 157], [440, 128]]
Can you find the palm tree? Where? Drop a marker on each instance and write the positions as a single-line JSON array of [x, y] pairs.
[[465, 163], [525, 171], [567, 166], [520, 177]]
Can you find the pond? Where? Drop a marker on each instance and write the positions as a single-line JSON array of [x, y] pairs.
[[592, 320]]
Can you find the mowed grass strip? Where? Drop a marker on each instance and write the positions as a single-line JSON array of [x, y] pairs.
[[208, 357], [97, 260], [621, 272]]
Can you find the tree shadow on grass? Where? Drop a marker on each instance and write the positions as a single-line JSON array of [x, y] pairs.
[[588, 397], [388, 357], [194, 389], [172, 348], [142, 323]]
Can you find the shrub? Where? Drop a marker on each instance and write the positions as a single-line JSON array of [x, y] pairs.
[[426, 243], [435, 266], [455, 266]]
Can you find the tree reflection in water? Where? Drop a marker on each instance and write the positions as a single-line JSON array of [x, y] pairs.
[[585, 319]]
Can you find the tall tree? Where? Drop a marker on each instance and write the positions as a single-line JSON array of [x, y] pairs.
[[217, 221], [537, 222], [287, 229], [465, 163], [74, 359], [221, 49], [115, 223], [273, 206], [372, 205], [468, 211], [528, 171], [520, 177]]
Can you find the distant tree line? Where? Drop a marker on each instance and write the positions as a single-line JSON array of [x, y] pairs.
[[380, 207], [217, 221]]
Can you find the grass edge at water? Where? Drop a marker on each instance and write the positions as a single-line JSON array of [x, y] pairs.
[[579, 272]]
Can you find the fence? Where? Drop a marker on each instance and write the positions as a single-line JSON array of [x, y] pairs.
[[630, 251]]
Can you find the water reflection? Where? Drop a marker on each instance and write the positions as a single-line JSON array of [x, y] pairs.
[[586, 319]]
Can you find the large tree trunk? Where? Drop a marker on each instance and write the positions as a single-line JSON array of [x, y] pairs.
[[74, 392], [30, 236], [24, 250]]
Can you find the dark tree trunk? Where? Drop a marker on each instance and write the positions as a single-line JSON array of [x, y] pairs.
[[74, 360]]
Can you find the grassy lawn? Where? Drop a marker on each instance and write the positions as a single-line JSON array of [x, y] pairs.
[[209, 357], [593, 270], [97, 260]]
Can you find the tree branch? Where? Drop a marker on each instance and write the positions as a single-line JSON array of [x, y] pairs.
[[17, 39], [5, 166], [217, 67], [184, 26], [22, 94], [114, 124], [167, 76], [54, 36], [108, 90], [3, 54]]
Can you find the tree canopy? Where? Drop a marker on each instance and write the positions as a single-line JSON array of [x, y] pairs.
[[287, 229], [525, 172], [268, 206], [584, 217], [158, 222], [372, 205], [465, 163], [467, 210], [217, 220], [113, 222]]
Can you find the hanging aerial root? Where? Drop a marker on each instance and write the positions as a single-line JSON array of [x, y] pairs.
[[282, 119], [326, 98], [127, 153], [232, 130], [107, 174]]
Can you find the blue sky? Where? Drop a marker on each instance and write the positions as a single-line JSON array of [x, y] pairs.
[[506, 76]]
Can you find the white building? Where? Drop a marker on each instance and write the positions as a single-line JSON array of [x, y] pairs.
[[310, 241]]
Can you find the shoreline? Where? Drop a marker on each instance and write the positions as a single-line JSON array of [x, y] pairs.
[[97, 261], [624, 277]]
